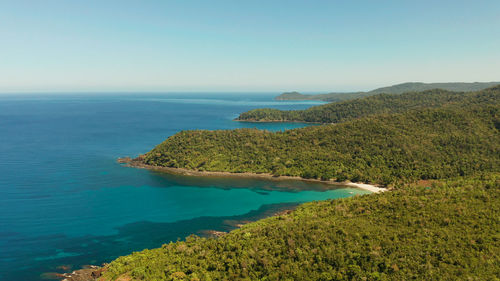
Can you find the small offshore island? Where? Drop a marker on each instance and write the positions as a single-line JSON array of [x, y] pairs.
[[438, 151]]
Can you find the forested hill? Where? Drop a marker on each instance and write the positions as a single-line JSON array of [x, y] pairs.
[[395, 89], [417, 87], [439, 231], [458, 139], [382, 103]]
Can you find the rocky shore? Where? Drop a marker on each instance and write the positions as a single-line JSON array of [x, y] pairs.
[[87, 273]]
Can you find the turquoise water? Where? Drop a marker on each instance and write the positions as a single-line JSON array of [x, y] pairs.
[[65, 201]]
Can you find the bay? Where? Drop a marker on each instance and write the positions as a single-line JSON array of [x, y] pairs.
[[64, 201]]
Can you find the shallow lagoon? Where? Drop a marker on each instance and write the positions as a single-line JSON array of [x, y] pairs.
[[65, 201]]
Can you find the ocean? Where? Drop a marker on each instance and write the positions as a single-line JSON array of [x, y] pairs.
[[65, 202]]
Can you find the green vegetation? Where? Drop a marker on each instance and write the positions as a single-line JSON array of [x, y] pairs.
[[440, 149], [439, 231], [395, 89], [373, 105], [455, 140]]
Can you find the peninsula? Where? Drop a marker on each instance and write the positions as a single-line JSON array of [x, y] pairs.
[[427, 140]]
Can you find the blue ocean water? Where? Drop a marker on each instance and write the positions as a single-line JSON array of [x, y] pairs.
[[65, 201]]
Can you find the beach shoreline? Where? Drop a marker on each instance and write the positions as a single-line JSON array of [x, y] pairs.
[[138, 163], [278, 121]]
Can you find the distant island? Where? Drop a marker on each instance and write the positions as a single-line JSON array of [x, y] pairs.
[[395, 89]]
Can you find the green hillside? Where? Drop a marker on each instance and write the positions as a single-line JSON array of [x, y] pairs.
[[417, 87], [439, 231], [382, 103], [395, 89], [433, 143]]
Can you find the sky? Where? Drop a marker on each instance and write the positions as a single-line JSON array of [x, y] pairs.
[[253, 45]]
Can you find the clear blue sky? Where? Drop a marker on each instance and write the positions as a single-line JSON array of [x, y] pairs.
[[72, 45]]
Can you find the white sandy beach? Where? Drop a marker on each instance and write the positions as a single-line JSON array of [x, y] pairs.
[[368, 187]]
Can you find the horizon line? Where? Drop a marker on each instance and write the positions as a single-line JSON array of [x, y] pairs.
[[215, 91]]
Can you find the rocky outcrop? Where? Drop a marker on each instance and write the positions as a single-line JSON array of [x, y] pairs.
[[88, 273]]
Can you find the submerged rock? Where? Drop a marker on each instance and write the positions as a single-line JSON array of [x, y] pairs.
[[124, 160]]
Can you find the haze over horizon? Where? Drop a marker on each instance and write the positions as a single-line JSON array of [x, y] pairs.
[[310, 46]]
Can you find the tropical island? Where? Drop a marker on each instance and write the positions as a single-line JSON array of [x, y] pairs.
[[438, 150]]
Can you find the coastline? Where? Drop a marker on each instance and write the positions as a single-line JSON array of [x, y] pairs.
[[92, 273], [217, 230], [137, 163]]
